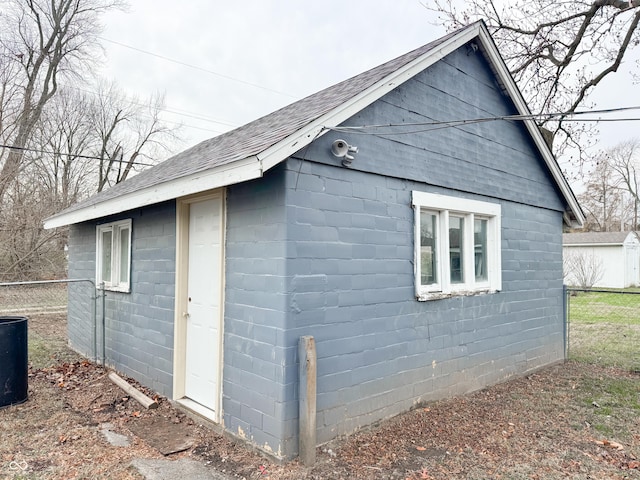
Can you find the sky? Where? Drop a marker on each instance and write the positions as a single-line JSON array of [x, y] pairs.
[[234, 61]]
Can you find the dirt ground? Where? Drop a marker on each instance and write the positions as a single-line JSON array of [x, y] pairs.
[[572, 421]]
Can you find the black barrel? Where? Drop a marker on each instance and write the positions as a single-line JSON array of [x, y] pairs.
[[13, 361]]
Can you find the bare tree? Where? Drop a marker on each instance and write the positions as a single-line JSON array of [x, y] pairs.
[[59, 145], [603, 199], [67, 136], [40, 41], [130, 134], [582, 269], [73, 154], [624, 159], [558, 52]]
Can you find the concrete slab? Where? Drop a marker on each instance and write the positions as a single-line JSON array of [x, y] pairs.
[[162, 469], [112, 437]]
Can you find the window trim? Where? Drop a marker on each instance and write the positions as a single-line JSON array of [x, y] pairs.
[[443, 207], [116, 254]]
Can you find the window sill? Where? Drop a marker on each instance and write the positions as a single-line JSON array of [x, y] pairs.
[[429, 296], [108, 288]]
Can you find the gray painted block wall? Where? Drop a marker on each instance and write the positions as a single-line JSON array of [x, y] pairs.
[[139, 324], [381, 352], [82, 264], [341, 248], [255, 379]]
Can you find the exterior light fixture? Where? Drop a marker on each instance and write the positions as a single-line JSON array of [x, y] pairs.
[[343, 150]]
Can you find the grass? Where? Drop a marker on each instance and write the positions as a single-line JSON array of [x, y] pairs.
[[547, 425], [604, 329], [44, 352], [613, 402], [605, 307]]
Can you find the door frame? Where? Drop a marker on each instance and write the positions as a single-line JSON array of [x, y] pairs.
[[180, 320]]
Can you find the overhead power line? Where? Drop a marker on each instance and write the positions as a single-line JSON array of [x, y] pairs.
[[377, 129], [165, 110], [89, 157], [196, 67]]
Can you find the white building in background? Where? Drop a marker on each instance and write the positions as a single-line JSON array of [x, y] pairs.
[[615, 254]]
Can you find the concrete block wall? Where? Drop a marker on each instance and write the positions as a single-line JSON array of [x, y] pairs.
[[350, 279], [139, 324], [380, 351], [255, 382], [82, 264]]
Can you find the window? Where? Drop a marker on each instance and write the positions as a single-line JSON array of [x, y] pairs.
[[457, 246], [113, 259]]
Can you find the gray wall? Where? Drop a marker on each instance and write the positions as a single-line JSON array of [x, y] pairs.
[[139, 324], [381, 352], [341, 247], [255, 377]]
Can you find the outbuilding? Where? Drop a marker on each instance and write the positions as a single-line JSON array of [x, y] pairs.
[[409, 219], [611, 258]]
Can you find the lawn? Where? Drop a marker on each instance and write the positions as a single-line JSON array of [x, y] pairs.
[[605, 307], [604, 328]]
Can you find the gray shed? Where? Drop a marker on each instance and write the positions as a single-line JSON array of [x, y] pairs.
[[426, 264]]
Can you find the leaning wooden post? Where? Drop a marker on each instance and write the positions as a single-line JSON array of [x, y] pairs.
[[307, 404]]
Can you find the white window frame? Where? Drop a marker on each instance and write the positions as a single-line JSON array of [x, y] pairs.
[[116, 228], [443, 207]]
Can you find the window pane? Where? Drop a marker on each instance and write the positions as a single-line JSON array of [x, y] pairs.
[[456, 260], [480, 247], [124, 255], [428, 251], [106, 245]]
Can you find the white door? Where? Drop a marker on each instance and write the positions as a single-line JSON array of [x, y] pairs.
[[204, 293]]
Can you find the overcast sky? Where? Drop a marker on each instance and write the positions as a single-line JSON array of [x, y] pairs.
[[254, 56]]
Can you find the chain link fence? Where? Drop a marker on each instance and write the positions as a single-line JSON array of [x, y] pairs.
[[46, 304], [33, 298], [603, 327]]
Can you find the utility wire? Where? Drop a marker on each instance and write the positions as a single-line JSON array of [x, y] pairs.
[[436, 125], [90, 157], [195, 67], [175, 111]]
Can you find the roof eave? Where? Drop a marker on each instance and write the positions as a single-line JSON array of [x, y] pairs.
[[594, 244], [240, 171], [573, 216]]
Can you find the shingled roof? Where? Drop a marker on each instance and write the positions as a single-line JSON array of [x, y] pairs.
[[596, 238], [248, 151]]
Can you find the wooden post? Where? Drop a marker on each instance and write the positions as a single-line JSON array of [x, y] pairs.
[[307, 400]]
